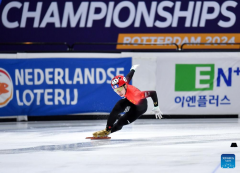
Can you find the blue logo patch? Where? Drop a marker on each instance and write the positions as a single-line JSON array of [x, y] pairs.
[[0, 2], [228, 161]]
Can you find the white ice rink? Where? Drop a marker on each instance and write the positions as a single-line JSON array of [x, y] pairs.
[[152, 146]]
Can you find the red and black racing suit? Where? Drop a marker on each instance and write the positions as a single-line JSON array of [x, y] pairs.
[[135, 102]]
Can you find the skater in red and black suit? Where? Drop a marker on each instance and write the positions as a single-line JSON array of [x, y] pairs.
[[134, 103]]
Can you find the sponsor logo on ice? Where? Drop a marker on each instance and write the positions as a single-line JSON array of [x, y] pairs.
[[228, 161]]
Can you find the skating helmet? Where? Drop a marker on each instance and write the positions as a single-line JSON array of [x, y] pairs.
[[118, 81]]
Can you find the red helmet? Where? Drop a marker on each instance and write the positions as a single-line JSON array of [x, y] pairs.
[[118, 81]]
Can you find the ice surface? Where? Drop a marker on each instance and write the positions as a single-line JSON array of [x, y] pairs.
[[161, 146]]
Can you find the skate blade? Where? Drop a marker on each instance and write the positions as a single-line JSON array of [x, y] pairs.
[[94, 138]]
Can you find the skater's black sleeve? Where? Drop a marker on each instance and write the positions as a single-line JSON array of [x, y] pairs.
[[130, 75], [153, 95]]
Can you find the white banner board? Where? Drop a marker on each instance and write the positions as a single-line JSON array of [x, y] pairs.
[[199, 83]]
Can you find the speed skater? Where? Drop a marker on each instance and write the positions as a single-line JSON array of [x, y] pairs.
[[134, 104]]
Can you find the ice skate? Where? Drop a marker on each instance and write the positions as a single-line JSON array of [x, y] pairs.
[[102, 134]]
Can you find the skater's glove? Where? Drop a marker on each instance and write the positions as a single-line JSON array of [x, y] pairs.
[[158, 113], [134, 67]]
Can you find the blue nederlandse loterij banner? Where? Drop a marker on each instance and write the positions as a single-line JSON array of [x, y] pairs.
[[58, 86]]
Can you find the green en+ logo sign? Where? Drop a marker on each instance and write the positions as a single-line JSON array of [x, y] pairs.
[[194, 77]]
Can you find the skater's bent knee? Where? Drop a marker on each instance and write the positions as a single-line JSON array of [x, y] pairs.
[[123, 121]]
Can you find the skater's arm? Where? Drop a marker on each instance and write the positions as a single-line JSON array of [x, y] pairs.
[[130, 75], [153, 95]]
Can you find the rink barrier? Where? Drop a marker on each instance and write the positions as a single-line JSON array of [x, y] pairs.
[[144, 65], [105, 117]]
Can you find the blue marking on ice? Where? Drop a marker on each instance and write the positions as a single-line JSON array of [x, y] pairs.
[[216, 168]]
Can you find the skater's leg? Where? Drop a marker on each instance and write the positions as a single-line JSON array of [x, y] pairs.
[[118, 108], [114, 115], [134, 113], [120, 123]]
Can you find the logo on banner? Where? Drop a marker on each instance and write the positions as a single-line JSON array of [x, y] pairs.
[[194, 77], [6, 88], [204, 77]]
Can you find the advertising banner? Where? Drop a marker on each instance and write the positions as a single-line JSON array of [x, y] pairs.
[[147, 22], [59, 86], [199, 83]]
